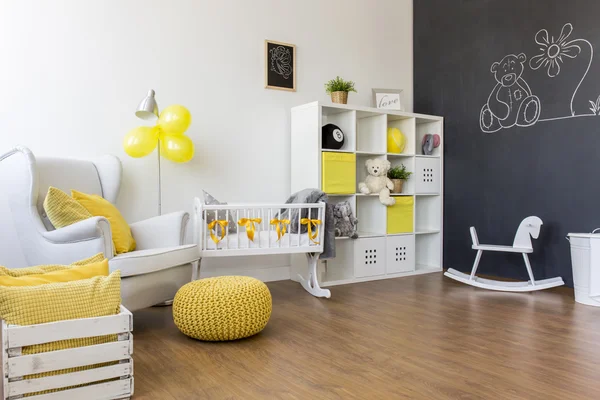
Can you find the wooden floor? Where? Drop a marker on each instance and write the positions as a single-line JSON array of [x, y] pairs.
[[422, 337]]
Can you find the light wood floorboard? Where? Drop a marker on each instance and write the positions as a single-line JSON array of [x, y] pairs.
[[422, 337]]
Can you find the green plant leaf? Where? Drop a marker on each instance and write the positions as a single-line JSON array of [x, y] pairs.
[[339, 85], [399, 173]]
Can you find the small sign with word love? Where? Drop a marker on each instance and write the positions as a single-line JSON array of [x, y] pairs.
[[387, 99], [390, 101]]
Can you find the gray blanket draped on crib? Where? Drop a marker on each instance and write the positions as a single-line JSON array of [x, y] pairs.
[[313, 196]]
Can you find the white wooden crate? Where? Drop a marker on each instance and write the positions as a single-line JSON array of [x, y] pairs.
[[15, 365]]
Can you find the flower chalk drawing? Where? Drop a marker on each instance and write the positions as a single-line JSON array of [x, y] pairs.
[[553, 51], [281, 61]]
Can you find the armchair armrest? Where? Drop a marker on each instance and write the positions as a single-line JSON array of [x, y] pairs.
[[87, 229], [162, 231], [75, 242]]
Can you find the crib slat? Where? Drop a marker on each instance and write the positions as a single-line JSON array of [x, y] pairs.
[[205, 234], [322, 231], [237, 227], [269, 217], [309, 216], [227, 230], [217, 227], [299, 226]]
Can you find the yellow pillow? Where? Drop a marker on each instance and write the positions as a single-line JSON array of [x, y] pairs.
[[99, 207], [63, 210], [42, 269], [70, 274], [28, 305]]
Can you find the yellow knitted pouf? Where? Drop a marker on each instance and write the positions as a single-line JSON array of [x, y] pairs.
[[222, 308]]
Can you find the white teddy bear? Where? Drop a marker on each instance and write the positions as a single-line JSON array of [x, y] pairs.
[[378, 182]]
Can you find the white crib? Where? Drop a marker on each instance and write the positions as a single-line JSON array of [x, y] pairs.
[[261, 229]]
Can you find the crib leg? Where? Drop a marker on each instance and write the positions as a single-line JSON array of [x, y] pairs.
[[311, 285], [196, 270]]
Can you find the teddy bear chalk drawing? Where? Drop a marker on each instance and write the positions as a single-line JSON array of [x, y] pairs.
[[377, 181], [511, 101]]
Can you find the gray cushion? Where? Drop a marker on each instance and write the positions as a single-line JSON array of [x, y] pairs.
[[210, 215]]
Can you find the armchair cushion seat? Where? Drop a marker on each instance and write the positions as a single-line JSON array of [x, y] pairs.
[[142, 262]]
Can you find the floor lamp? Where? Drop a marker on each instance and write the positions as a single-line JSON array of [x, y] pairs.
[[168, 134], [148, 111]]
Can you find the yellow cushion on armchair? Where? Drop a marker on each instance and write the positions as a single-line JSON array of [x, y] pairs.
[[100, 207], [63, 210]]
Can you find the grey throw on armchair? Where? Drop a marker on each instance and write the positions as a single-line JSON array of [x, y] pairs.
[[151, 274]]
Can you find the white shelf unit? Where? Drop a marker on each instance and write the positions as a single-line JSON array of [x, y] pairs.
[[376, 254]]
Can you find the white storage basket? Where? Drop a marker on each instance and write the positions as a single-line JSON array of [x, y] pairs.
[[369, 257], [427, 175], [15, 365], [586, 267], [400, 252]]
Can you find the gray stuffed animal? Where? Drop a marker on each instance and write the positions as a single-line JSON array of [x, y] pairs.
[[345, 223]]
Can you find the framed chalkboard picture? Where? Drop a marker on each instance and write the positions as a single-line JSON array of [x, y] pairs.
[[280, 66]]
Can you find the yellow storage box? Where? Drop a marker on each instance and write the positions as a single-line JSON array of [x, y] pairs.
[[338, 173], [400, 216]]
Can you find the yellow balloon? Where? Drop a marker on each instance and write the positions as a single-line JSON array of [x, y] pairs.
[[179, 149], [140, 141], [396, 141], [174, 120]]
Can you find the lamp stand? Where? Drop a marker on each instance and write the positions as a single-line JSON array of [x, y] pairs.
[[159, 182]]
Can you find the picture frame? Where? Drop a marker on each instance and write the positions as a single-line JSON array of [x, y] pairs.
[[388, 99], [280, 66]]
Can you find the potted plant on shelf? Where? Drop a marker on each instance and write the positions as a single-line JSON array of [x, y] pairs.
[[398, 175], [338, 89]]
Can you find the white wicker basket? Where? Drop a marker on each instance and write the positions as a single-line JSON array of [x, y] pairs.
[[15, 365]]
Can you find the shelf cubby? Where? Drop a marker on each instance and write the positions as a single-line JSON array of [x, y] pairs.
[[371, 133], [341, 267], [407, 126], [346, 121], [408, 188], [400, 251], [428, 212], [428, 251], [335, 199], [361, 168], [424, 127], [428, 176], [371, 216]]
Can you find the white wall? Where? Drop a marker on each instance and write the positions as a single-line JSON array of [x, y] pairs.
[[73, 71]]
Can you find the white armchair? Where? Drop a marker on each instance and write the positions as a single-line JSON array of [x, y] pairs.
[[151, 274]]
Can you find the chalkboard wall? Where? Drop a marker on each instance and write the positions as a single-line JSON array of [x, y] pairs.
[[518, 82]]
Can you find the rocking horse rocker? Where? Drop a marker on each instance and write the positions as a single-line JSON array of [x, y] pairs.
[[529, 227]]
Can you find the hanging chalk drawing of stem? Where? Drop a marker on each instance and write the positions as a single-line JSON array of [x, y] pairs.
[[553, 53]]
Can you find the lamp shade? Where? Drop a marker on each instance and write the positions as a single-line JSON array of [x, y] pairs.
[[148, 109]]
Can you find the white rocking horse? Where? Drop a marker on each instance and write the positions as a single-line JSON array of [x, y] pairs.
[[529, 228]]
